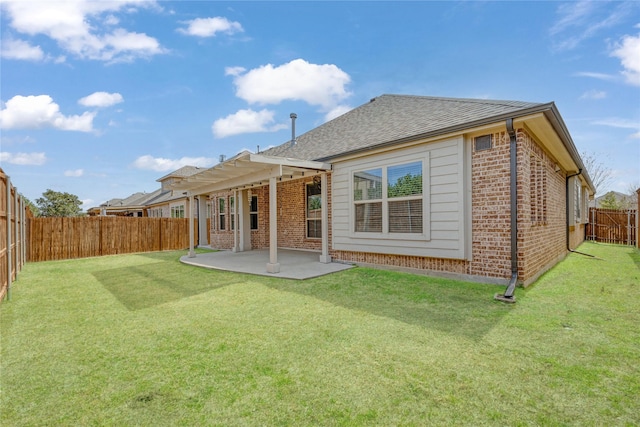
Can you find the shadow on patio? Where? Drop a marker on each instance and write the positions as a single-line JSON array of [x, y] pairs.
[[294, 264]]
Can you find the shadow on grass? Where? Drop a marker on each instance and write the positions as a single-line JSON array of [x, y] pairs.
[[458, 308], [149, 285]]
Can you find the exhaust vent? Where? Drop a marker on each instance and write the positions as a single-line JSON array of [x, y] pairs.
[[482, 142]]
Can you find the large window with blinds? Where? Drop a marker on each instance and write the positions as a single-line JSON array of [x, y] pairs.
[[389, 199]]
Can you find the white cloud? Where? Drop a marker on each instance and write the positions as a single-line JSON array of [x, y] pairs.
[[22, 50], [234, 71], [581, 20], [160, 164], [74, 173], [594, 94], [23, 159], [621, 124], [246, 121], [599, 76], [628, 50], [84, 28], [323, 85], [208, 27], [36, 112], [101, 99]]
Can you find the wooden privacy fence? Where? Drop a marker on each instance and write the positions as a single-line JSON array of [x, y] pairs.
[[81, 237], [613, 226], [13, 213]]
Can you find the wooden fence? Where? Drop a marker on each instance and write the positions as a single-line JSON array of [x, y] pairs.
[[81, 237], [613, 226], [13, 217]]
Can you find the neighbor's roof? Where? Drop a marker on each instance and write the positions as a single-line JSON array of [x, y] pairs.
[[392, 118], [183, 172]]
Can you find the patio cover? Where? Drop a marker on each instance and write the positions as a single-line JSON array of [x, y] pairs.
[[247, 170]]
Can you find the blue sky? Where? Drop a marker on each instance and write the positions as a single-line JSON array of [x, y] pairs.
[[100, 99]]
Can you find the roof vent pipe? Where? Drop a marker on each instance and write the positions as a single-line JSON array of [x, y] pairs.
[[293, 116]]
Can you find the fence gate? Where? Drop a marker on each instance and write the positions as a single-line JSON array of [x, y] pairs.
[[613, 226]]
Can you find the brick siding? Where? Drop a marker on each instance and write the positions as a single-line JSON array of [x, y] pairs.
[[541, 217]]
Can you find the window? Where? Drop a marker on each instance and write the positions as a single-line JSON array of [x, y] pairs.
[[253, 212], [221, 213], [177, 211], [367, 196], [314, 211], [404, 189], [389, 199], [578, 201]]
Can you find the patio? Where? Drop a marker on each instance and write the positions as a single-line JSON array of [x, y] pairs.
[[294, 264]]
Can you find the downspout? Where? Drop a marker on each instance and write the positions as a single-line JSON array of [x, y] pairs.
[[508, 295]]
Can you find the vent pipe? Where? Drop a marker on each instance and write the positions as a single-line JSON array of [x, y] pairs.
[[293, 116]]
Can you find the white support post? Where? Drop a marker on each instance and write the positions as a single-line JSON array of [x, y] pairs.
[[325, 258], [273, 266], [192, 253]]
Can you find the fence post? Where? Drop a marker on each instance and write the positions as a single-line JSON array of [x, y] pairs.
[[9, 262]]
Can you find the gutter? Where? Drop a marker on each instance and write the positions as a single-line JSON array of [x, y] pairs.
[[508, 296]]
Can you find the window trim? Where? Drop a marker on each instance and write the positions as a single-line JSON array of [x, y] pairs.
[[306, 211], [222, 219], [252, 213], [426, 196]]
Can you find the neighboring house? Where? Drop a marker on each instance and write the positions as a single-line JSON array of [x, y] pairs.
[[623, 201], [413, 182], [162, 203]]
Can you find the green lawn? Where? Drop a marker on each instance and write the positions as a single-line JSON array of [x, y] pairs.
[[144, 340]]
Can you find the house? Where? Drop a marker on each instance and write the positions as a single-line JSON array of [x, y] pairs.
[[484, 190], [161, 203]]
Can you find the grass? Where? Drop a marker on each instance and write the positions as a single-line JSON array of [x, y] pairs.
[[144, 340]]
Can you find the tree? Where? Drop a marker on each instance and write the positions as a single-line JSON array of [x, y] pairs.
[[53, 203], [610, 201], [407, 185], [34, 209], [599, 173]]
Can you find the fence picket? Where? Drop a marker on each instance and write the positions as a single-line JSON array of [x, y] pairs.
[[612, 226], [81, 237]]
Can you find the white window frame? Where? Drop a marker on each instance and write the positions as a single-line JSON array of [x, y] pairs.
[[306, 211], [384, 165], [222, 214], [178, 211], [252, 213]]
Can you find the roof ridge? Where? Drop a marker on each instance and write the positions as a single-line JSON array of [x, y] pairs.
[[466, 100]]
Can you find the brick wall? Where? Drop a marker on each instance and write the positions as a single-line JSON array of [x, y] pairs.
[[541, 217], [291, 218], [542, 240], [491, 212]]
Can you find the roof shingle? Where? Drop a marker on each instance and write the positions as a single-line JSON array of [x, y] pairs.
[[389, 118]]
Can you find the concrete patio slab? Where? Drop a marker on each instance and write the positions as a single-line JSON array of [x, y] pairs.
[[294, 264]]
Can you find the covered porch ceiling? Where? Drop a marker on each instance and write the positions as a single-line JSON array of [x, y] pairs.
[[248, 170]]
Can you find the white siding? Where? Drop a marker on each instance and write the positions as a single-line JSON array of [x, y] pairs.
[[443, 195]]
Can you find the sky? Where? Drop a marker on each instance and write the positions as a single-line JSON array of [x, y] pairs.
[[102, 98]]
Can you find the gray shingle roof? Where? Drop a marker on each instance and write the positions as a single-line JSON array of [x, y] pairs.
[[389, 118], [183, 172]]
